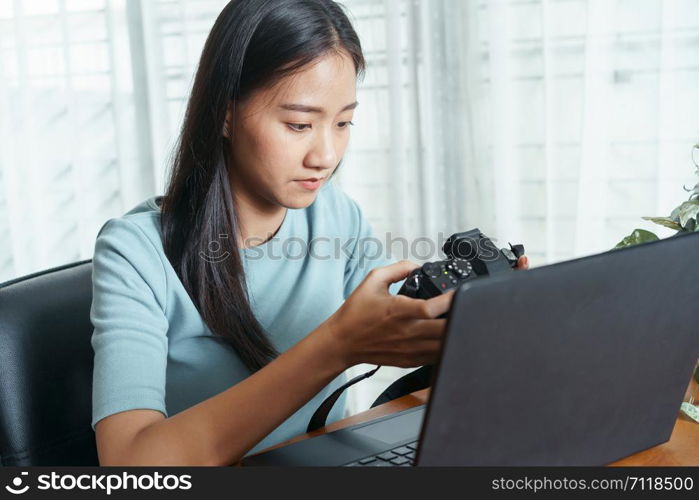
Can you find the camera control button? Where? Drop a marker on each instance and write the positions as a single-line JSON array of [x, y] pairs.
[[430, 269]]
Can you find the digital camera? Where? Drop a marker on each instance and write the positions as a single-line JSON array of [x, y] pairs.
[[470, 255]]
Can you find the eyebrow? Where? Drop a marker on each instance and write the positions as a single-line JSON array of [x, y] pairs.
[[312, 109]]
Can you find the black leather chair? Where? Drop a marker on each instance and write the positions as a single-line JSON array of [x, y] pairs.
[[46, 368]]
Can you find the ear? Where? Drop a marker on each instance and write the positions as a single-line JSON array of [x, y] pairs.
[[227, 126]]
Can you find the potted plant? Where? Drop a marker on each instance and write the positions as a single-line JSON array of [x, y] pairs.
[[683, 219]]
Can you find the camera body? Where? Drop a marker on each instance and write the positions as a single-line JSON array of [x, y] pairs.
[[471, 255]]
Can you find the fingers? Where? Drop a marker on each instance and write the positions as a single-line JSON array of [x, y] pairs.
[[424, 352], [440, 304], [386, 275], [406, 307], [522, 262], [429, 329]]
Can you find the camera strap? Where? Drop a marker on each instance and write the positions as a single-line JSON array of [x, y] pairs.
[[408, 383]]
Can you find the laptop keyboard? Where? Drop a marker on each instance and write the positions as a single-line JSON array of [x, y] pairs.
[[401, 456]]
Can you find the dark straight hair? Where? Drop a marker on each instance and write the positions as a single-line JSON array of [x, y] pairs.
[[252, 45]]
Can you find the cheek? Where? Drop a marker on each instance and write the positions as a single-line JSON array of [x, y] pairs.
[[283, 151], [261, 146]]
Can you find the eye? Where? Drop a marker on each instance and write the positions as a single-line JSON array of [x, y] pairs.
[[298, 127], [345, 124]]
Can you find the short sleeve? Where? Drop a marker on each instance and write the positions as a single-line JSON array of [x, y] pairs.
[[130, 326], [368, 251]]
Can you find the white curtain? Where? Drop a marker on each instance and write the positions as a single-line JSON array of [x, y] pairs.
[[70, 152], [554, 123], [593, 115]]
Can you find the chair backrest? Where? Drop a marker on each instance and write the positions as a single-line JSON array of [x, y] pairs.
[[46, 368]]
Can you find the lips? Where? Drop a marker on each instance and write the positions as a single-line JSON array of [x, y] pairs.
[[311, 183]]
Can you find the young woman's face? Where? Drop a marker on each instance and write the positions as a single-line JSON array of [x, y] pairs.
[[296, 130]]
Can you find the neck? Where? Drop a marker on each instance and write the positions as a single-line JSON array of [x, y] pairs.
[[258, 221]]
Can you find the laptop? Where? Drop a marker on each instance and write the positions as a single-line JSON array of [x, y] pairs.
[[580, 363]]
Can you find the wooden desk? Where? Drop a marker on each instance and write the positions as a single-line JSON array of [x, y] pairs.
[[682, 448]]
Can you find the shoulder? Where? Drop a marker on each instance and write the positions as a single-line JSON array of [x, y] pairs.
[[141, 223], [132, 242], [140, 226]]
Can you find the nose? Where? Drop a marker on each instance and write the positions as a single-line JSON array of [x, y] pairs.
[[323, 152]]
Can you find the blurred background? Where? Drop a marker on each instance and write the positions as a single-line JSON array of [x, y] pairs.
[[554, 123]]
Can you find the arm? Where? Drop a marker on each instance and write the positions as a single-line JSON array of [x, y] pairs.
[[220, 430], [372, 326], [131, 346]]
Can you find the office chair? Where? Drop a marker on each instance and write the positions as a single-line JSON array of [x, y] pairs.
[[46, 368]]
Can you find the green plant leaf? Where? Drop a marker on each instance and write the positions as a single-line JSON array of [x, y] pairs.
[[689, 210], [665, 221], [694, 192], [675, 215], [637, 237]]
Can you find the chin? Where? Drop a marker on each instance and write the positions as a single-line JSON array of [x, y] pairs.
[[299, 200]]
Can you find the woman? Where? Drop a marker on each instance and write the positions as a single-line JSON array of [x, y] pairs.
[[208, 347]]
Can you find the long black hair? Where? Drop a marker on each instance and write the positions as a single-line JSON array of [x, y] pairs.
[[252, 45]]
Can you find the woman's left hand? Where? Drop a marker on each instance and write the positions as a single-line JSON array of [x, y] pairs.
[[522, 262]]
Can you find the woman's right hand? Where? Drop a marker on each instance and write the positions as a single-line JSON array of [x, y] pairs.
[[373, 326]]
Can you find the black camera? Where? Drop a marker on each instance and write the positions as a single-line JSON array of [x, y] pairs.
[[470, 255]]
